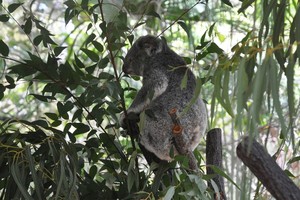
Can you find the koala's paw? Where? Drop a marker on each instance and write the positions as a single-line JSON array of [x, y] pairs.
[[131, 118]]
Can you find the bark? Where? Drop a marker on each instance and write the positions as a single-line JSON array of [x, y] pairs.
[[214, 157], [264, 167]]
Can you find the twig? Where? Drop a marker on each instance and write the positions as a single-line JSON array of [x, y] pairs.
[[178, 18]]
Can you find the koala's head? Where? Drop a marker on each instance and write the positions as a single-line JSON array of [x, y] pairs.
[[144, 48]]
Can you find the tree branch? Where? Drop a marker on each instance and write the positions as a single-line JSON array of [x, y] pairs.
[[214, 157], [264, 167]]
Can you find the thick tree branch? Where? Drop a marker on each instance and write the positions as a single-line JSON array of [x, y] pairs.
[[264, 167]]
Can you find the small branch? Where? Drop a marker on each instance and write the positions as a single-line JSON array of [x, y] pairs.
[[264, 167], [176, 20], [214, 157]]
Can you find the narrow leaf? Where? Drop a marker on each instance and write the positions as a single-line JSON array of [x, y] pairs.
[[4, 50], [15, 172], [211, 28], [92, 55], [170, 193], [184, 27], [154, 14], [13, 7], [58, 50], [273, 68], [98, 46], [28, 26], [295, 159], [223, 174], [227, 2], [37, 181]]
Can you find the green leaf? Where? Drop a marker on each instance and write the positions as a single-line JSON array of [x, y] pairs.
[[98, 46], [290, 76], [11, 82], [36, 179], [18, 178], [170, 193], [4, 18], [70, 3], [154, 14], [273, 71], [288, 173], [103, 63], [130, 38], [14, 6], [93, 171], [43, 97], [242, 80], [2, 89], [37, 40], [78, 62], [77, 115], [106, 76], [58, 50], [258, 93], [92, 55], [245, 5], [4, 50], [89, 27], [52, 116], [61, 171], [184, 27], [132, 172], [80, 128], [63, 110], [223, 174], [295, 159], [41, 123], [84, 4], [28, 26], [90, 38], [211, 28], [187, 60], [227, 2], [221, 89], [214, 48], [22, 70]]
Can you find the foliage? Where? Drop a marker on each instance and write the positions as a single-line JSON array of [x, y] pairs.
[[62, 92]]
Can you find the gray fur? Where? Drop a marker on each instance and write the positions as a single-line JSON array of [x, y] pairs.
[[163, 70]]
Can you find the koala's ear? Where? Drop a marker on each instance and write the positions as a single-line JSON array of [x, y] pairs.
[[152, 45]]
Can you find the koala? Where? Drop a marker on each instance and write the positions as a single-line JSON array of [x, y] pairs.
[[163, 71]]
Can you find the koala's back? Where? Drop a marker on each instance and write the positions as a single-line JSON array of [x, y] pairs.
[[157, 133]]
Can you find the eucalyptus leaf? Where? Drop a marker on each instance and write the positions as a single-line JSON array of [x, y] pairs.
[[14, 6], [4, 50]]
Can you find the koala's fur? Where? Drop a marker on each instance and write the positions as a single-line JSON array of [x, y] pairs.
[[163, 71]]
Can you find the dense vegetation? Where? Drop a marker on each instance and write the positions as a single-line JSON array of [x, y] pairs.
[[62, 90]]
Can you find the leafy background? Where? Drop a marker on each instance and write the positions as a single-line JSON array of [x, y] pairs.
[[62, 90]]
